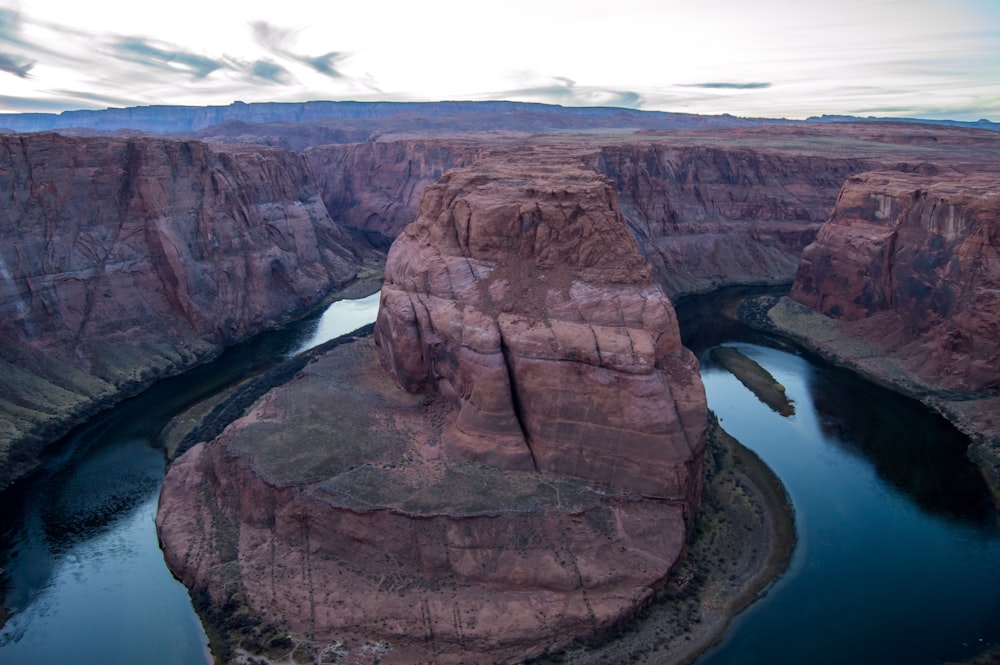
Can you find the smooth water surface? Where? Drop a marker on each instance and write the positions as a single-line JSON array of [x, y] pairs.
[[83, 578], [898, 559]]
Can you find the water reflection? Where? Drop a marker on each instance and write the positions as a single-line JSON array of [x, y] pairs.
[[898, 557], [911, 447]]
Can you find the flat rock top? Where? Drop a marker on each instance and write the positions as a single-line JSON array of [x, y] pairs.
[[344, 432]]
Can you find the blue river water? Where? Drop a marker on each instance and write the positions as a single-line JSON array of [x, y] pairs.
[[897, 560]]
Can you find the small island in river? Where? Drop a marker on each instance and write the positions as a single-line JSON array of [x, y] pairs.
[[754, 377]]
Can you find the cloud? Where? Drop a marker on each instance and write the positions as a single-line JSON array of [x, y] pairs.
[[17, 66], [269, 71], [730, 86], [10, 24], [563, 90], [276, 40], [140, 51]]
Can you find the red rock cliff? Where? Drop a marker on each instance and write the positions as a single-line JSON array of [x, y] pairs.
[[377, 186], [521, 297], [124, 260], [708, 216], [913, 262]]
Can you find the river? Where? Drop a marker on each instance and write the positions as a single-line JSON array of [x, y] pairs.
[[898, 557]]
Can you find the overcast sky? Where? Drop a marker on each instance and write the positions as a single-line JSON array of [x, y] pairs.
[[774, 58]]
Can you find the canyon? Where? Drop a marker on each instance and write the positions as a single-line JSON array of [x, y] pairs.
[[537, 445], [534, 464], [124, 261]]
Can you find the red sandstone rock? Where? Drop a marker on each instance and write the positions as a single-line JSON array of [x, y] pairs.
[[330, 512], [520, 296], [912, 263], [536, 480], [125, 260]]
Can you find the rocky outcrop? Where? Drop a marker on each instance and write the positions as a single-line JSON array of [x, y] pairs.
[[521, 297], [709, 216], [125, 260], [913, 262], [533, 482]]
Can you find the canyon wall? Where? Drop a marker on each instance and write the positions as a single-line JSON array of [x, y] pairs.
[[704, 216], [376, 187], [125, 260], [913, 261], [709, 216]]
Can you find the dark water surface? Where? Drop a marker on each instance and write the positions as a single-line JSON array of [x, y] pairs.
[[83, 576], [898, 559]]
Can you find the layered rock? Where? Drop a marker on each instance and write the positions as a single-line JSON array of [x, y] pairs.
[[707, 216], [704, 215], [377, 186], [124, 260], [913, 263], [521, 297], [533, 483]]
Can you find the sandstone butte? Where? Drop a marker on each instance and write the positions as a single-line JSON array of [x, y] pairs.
[[907, 275], [126, 260], [521, 468]]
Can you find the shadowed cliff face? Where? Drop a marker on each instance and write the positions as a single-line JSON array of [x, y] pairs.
[[377, 186], [710, 216], [913, 262], [704, 216], [124, 260]]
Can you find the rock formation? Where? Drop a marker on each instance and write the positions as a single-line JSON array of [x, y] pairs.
[[125, 260], [914, 262], [521, 297], [533, 483], [708, 216]]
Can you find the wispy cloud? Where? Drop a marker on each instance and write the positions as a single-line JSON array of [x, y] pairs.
[[565, 91], [15, 65], [269, 71], [143, 52], [721, 85], [277, 41]]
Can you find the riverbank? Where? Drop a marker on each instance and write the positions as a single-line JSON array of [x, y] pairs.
[[77, 398], [742, 542], [976, 414]]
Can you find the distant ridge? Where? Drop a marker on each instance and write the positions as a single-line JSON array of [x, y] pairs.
[[473, 114]]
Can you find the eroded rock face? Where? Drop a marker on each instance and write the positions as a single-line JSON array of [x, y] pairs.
[[912, 262], [708, 216], [124, 260], [377, 186], [522, 298], [533, 483]]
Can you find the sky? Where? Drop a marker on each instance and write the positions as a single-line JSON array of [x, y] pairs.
[[767, 58]]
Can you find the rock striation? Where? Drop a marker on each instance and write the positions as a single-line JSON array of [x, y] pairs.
[[376, 187], [517, 462], [522, 298], [708, 216], [913, 261], [126, 260]]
